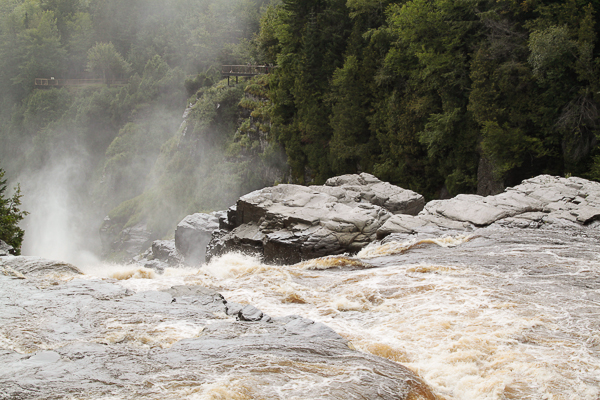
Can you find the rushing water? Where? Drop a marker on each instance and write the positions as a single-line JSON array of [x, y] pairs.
[[501, 314], [498, 315], [505, 315]]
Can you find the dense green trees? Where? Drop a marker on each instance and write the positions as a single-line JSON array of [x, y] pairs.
[[441, 96], [109, 39]]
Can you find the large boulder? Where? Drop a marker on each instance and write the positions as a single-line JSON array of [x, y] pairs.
[[367, 188], [193, 234], [291, 223]]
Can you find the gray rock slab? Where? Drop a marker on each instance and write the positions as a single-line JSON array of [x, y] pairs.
[[37, 266], [166, 250], [466, 210], [204, 297], [92, 338], [161, 255], [370, 189], [250, 313], [127, 242], [401, 224], [536, 202], [586, 214], [291, 223]]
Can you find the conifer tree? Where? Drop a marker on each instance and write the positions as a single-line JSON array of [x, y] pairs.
[[10, 216]]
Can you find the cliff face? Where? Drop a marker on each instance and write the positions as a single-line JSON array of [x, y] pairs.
[[222, 149]]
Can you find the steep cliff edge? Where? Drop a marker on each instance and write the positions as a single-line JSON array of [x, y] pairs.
[[221, 150]]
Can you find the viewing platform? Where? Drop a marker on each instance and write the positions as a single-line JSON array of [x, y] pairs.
[[245, 70], [51, 82]]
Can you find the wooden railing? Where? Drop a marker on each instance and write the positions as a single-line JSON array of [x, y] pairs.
[[246, 70], [77, 82]]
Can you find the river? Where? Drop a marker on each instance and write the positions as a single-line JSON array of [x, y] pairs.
[[498, 314], [501, 314]]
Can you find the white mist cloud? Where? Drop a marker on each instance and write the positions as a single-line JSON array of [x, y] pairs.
[[59, 225]]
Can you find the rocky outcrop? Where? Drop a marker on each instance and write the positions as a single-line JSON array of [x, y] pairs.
[[291, 223], [93, 338], [124, 243], [162, 254], [534, 203], [193, 234]]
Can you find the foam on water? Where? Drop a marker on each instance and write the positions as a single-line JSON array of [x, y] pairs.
[[140, 279], [394, 247], [225, 389], [117, 271], [342, 261], [234, 265]]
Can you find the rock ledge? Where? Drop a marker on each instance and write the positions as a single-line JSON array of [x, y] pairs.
[[292, 223]]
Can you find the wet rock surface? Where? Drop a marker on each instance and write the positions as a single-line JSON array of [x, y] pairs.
[[126, 242], [291, 223], [37, 267], [89, 338]]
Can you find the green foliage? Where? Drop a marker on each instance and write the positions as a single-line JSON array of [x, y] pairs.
[[199, 81], [552, 52], [38, 49], [192, 172], [508, 147], [104, 60], [417, 92], [44, 107], [10, 216], [350, 145]]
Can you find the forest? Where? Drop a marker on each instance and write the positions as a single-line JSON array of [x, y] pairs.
[[438, 96]]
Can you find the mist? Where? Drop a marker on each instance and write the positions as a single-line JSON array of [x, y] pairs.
[[60, 225], [111, 156]]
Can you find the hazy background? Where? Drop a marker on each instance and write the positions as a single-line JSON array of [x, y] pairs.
[[81, 152]]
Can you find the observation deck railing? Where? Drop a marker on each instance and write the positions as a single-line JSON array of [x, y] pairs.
[[51, 82], [246, 70]]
